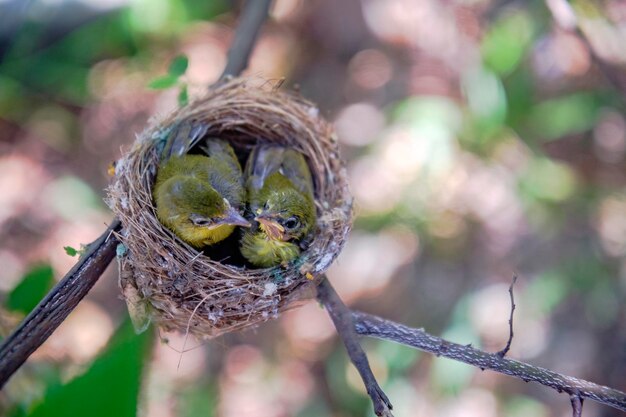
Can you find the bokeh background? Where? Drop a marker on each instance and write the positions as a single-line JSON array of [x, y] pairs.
[[483, 138]]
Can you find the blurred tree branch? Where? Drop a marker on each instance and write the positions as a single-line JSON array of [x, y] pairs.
[[252, 19], [565, 17]]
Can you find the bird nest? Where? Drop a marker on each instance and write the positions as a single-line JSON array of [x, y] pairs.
[[181, 288]]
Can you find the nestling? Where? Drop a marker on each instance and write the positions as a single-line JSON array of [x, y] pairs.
[[280, 197], [199, 197]]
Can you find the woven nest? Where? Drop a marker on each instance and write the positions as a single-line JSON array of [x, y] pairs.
[[184, 289]]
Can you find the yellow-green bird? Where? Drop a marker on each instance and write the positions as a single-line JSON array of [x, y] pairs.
[[280, 196], [198, 197]]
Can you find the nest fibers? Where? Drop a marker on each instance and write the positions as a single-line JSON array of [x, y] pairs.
[[179, 287]]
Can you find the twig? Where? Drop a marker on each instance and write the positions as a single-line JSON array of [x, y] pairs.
[[58, 304], [342, 318], [64, 297], [577, 405], [369, 325], [506, 349], [251, 20]]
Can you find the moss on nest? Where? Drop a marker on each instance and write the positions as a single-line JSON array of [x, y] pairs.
[[187, 290]]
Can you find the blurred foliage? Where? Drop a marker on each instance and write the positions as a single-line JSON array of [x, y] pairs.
[[110, 387], [59, 69], [177, 68], [199, 400], [31, 289], [482, 138]]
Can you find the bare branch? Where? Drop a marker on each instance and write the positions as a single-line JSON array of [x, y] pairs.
[[506, 349], [577, 405], [58, 304], [342, 318], [369, 325], [251, 20]]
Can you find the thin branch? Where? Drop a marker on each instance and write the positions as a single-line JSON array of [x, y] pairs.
[[369, 325], [577, 405], [506, 349], [64, 297], [342, 318], [251, 20], [58, 304]]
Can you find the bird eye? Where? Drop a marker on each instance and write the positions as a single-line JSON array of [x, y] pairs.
[[292, 222], [200, 221]]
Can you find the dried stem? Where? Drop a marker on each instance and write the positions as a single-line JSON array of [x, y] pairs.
[[369, 325], [342, 318], [58, 304], [506, 349]]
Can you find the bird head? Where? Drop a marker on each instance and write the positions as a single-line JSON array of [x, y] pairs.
[[193, 209], [287, 215], [227, 216]]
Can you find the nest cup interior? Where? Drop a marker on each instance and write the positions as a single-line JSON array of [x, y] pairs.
[[182, 288]]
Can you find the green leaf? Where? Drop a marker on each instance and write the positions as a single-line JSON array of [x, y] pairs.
[[183, 96], [548, 180], [558, 117], [163, 82], [70, 250], [178, 66], [33, 287], [110, 387], [507, 41]]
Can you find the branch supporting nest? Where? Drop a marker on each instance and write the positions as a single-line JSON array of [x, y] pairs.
[[58, 304], [342, 319], [352, 324], [252, 19], [369, 325]]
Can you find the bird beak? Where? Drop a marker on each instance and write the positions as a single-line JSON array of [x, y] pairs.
[[273, 230], [234, 218]]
